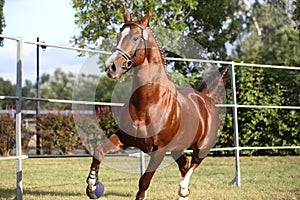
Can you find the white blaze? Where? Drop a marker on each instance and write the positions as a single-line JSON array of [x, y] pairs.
[[124, 33]]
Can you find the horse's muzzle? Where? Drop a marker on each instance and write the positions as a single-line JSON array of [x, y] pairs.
[[111, 71]]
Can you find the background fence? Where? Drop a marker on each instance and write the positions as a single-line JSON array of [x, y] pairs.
[[234, 105]]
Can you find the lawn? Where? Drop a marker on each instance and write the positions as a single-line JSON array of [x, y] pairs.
[[64, 178]]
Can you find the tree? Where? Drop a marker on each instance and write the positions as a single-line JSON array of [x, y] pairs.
[[278, 44], [296, 14], [96, 19], [2, 20], [7, 89], [57, 86]]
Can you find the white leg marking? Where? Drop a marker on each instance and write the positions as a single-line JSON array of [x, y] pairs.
[[184, 184], [92, 180]]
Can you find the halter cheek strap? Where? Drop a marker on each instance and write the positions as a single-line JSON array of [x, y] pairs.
[[130, 59]]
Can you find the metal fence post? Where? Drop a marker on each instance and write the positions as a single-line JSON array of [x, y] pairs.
[[19, 187], [237, 178], [142, 166]]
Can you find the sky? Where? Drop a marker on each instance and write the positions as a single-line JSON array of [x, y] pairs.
[[53, 22]]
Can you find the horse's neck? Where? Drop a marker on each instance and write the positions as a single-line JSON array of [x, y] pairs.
[[152, 72], [151, 85]]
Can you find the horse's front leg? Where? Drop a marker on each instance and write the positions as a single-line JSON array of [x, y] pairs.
[[113, 144], [156, 158]]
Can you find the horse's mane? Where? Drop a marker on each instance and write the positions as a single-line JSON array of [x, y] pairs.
[[161, 49]]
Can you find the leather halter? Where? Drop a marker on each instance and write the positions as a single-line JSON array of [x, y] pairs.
[[130, 59]]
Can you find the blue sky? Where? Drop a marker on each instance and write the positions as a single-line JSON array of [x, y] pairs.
[[50, 20]]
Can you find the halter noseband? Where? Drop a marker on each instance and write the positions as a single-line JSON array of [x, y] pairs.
[[129, 59]]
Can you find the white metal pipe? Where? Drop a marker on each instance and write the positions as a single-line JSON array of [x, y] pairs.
[[73, 101], [168, 58], [9, 37], [8, 97], [19, 187], [237, 178], [68, 47], [13, 157]]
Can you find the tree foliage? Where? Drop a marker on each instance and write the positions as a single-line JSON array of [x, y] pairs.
[[57, 86], [211, 23], [2, 20], [7, 89], [296, 14], [277, 45]]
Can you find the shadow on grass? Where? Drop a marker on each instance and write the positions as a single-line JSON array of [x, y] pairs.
[[11, 193], [51, 193], [7, 193], [114, 194]]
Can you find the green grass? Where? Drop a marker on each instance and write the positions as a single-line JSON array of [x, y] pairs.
[[261, 178]]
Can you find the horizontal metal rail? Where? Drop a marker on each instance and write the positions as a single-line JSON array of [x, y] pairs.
[[13, 157], [73, 101], [8, 97], [10, 37], [122, 104], [137, 154], [68, 47], [168, 58]]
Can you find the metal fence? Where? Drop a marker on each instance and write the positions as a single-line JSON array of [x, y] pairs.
[[19, 98]]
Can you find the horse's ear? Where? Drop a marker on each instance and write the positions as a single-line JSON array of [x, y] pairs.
[[127, 17], [145, 20]]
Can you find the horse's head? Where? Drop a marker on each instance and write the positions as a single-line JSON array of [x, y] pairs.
[[131, 46]]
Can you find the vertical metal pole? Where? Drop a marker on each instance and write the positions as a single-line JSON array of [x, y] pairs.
[[237, 178], [38, 144], [19, 195], [142, 166]]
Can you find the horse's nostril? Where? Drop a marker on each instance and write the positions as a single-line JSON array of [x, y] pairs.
[[113, 67]]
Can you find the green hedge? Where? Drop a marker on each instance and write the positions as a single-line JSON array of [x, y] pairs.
[[264, 127], [255, 131], [259, 131], [8, 135], [58, 132]]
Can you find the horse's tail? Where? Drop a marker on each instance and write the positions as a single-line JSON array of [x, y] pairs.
[[213, 86]]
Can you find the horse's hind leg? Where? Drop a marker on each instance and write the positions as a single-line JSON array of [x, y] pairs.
[[184, 183], [113, 144], [182, 161]]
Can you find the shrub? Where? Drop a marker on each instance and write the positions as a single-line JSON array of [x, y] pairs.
[[7, 134], [58, 132]]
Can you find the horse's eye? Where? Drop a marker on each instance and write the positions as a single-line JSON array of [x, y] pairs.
[[135, 38]]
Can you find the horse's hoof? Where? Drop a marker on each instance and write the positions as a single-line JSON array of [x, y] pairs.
[[141, 197], [184, 192], [97, 193]]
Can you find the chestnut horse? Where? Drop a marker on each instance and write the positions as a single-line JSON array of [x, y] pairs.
[[158, 117]]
